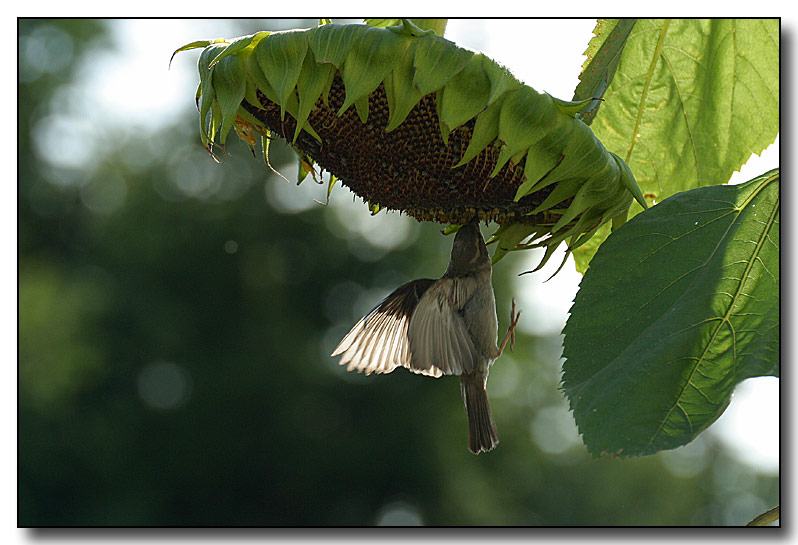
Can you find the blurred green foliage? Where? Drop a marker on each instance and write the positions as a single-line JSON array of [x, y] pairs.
[[175, 327]]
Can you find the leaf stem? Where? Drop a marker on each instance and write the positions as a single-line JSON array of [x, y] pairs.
[[768, 517]]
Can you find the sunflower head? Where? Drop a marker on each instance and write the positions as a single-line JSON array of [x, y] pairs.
[[409, 121]]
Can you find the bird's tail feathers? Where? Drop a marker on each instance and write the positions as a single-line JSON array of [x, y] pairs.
[[482, 434]]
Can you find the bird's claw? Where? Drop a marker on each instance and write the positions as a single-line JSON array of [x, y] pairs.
[[510, 335], [514, 317]]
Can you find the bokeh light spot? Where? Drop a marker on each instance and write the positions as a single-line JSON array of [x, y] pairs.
[[164, 385], [554, 430], [194, 177], [288, 198], [65, 142], [687, 461], [383, 232], [104, 196], [230, 247], [46, 50], [399, 513]]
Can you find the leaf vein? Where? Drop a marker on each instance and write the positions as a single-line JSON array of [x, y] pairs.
[[727, 315]]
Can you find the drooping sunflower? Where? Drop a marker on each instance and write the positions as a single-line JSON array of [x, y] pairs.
[[410, 121]]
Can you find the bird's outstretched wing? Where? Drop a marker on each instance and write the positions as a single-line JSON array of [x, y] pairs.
[[437, 332], [378, 342]]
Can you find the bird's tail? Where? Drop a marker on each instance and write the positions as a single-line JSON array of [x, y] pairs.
[[482, 434]]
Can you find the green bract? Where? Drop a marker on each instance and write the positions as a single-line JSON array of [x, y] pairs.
[[412, 122]]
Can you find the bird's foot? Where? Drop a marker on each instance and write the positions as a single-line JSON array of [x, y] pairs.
[[510, 335]]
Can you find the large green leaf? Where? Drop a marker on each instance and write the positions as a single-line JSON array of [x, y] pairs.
[[679, 305], [691, 100]]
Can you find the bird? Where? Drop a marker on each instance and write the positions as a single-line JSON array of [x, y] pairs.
[[436, 327]]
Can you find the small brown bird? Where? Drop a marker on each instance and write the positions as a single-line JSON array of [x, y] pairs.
[[439, 327]]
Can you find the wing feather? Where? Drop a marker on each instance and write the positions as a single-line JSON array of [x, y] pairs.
[[377, 328], [378, 342], [438, 334]]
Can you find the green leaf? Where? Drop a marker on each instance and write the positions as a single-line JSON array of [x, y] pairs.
[[525, 116], [436, 61], [230, 85], [331, 43], [401, 94], [585, 253], [572, 107], [280, 57], [362, 108], [603, 54], [486, 130], [465, 96], [582, 150], [691, 100], [371, 58], [206, 88], [192, 45], [629, 182], [679, 305], [411, 27], [438, 26], [539, 163], [508, 237], [501, 79], [304, 167], [312, 81], [330, 185], [216, 122], [382, 23], [239, 44]]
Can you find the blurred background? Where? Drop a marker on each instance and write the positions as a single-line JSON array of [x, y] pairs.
[[176, 318]]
